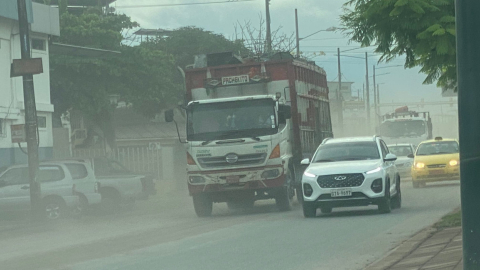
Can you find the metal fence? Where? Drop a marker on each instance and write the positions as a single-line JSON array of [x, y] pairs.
[[136, 159]]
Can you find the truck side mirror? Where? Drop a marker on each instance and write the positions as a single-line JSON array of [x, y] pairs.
[[169, 116], [285, 110]]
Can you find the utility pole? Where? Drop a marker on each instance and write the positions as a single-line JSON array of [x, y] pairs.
[[468, 57], [339, 95], [30, 113], [374, 98], [297, 35], [378, 104], [269, 32], [368, 93]]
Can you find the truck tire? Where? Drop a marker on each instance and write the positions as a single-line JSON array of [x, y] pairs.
[[385, 206], [283, 198], [203, 205], [309, 210]]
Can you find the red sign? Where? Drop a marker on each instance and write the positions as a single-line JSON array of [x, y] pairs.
[[18, 133]]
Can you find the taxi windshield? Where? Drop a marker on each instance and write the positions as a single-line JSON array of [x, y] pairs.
[[437, 148]]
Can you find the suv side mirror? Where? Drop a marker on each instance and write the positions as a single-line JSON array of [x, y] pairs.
[[390, 157], [169, 116], [411, 155], [305, 161]]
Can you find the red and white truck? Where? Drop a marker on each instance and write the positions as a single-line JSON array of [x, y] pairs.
[[249, 124]]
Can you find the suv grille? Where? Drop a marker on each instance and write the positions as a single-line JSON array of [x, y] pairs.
[[436, 166], [351, 180], [248, 159]]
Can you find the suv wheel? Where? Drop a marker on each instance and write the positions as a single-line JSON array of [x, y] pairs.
[[309, 210], [385, 206], [54, 208], [397, 200]]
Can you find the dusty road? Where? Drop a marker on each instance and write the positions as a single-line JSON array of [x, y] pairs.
[[164, 233]]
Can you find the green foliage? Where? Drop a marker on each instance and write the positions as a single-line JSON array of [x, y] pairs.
[[451, 220], [186, 42], [140, 75], [421, 30]]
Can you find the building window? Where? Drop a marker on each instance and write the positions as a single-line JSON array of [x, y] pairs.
[[42, 121], [38, 44], [2, 122]]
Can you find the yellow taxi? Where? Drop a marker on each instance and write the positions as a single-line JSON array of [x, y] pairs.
[[436, 160]]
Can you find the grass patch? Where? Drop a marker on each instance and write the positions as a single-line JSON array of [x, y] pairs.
[[450, 220]]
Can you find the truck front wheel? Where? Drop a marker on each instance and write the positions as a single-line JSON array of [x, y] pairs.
[[203, 205]]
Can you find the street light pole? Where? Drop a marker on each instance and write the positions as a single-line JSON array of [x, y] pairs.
[[296, 33], [368, 93], [30, 112], [374, 97], [468, 56], [339, 96], [269, 33]]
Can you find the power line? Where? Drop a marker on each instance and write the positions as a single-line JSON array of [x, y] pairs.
[[185, 4]]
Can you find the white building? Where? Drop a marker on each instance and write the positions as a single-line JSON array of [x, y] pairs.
[[44, 21]]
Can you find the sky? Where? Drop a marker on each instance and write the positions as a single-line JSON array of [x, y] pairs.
[[398, 85]]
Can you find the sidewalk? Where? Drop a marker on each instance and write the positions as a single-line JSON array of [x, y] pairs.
[[429, 249]]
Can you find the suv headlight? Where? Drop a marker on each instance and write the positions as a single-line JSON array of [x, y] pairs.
[[307, 174], [374, 170]]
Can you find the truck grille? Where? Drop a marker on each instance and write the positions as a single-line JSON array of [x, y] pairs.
[[433, 166], [351, 180], [248, 159]]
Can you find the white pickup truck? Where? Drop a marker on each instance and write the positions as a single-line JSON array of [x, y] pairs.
[[117, 184]]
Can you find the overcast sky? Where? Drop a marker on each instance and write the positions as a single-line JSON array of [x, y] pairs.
[[399, 85]]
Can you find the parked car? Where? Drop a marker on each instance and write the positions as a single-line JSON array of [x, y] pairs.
[[403, 162], [117, 184], [351, 172], [64, 186], [436, 160]]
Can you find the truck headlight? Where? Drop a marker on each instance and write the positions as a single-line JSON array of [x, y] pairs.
[[196, 179], [270, 174]]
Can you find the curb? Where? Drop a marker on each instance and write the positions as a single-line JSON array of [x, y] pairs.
[[403, 250]]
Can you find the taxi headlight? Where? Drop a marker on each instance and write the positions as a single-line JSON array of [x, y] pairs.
[[453, 162], [420, 165]]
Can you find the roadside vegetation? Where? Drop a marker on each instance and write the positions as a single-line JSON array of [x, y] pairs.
[[451, 220]]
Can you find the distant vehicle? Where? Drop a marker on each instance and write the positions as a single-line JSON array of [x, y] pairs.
[[249, 124], [405, 126], [351, 172], [436, 160], [403, 162], [118, 185], [64, 185]]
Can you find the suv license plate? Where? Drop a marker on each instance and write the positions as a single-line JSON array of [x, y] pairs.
[[341, 192]]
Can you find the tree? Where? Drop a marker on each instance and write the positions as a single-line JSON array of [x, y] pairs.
[[186, 42], [140, 75], [422, 30]]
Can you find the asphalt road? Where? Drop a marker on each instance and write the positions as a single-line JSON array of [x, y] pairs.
[[164, 233]]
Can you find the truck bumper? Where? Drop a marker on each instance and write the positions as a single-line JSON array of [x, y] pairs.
[[248, 179]]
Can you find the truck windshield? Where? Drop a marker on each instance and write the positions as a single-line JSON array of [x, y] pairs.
[[229, 120], [409, 128]]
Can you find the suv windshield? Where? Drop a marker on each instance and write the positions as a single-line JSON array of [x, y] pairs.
[[437, 148], [347, 151], [228, 120], [400, 150]]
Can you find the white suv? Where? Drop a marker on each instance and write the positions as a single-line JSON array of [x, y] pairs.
[[64, 185], [351, 172]]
